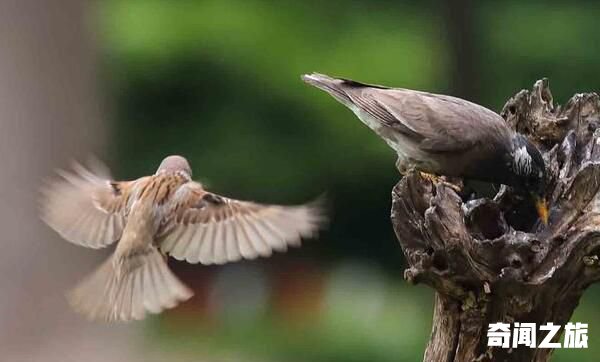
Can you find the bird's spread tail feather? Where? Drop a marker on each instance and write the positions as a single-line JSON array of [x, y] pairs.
[[122, 291]]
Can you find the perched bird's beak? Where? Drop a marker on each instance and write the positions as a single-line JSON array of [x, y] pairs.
[[542, 209]]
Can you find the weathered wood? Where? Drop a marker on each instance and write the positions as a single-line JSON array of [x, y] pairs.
[[490, 260]]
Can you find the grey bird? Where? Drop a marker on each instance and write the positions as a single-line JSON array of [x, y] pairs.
[[154, 216], [443, 135]]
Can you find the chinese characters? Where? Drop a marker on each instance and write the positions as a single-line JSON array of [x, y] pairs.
[[525, 334]]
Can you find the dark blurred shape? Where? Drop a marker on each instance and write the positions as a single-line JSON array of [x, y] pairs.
[[459, 19]]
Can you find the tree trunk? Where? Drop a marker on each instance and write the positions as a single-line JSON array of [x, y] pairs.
[[49, 114], [490, 260]]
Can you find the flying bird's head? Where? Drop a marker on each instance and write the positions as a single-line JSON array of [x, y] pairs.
[[175, 164], [529, 172]]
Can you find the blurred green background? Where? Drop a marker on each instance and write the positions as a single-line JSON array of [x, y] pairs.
[[219, 82]]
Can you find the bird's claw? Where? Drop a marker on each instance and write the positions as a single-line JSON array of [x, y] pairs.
[[441, 180]]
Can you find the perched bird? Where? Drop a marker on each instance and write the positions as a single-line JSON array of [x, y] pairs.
[[443, 135], [154, 216]]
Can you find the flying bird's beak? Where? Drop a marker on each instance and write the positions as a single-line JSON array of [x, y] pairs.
[[542, 209]]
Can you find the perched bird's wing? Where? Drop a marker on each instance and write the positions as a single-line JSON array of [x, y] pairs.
[[85, 207], [442, 123], [437, 123], [211, 229]]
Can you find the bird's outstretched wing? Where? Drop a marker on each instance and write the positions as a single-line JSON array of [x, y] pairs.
[[85, 207], [211, 229], [436, 123]]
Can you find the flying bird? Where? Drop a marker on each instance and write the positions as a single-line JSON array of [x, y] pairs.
[[443, 135], [154, 216]]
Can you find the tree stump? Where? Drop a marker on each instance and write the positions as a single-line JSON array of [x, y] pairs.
[[490, 260]]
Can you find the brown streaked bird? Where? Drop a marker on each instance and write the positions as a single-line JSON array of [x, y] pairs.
[[154, 216], [443, 135]]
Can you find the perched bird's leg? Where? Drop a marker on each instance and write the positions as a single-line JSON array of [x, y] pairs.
[[429, 176], [455, 185]]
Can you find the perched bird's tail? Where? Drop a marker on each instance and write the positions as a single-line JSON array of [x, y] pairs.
[[124, 288], [333, 86], [339, 88]]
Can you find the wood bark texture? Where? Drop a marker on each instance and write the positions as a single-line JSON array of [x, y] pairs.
[[490, 260]]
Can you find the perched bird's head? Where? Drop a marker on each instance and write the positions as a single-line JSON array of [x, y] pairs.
[[174, 164], [529, 172]]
